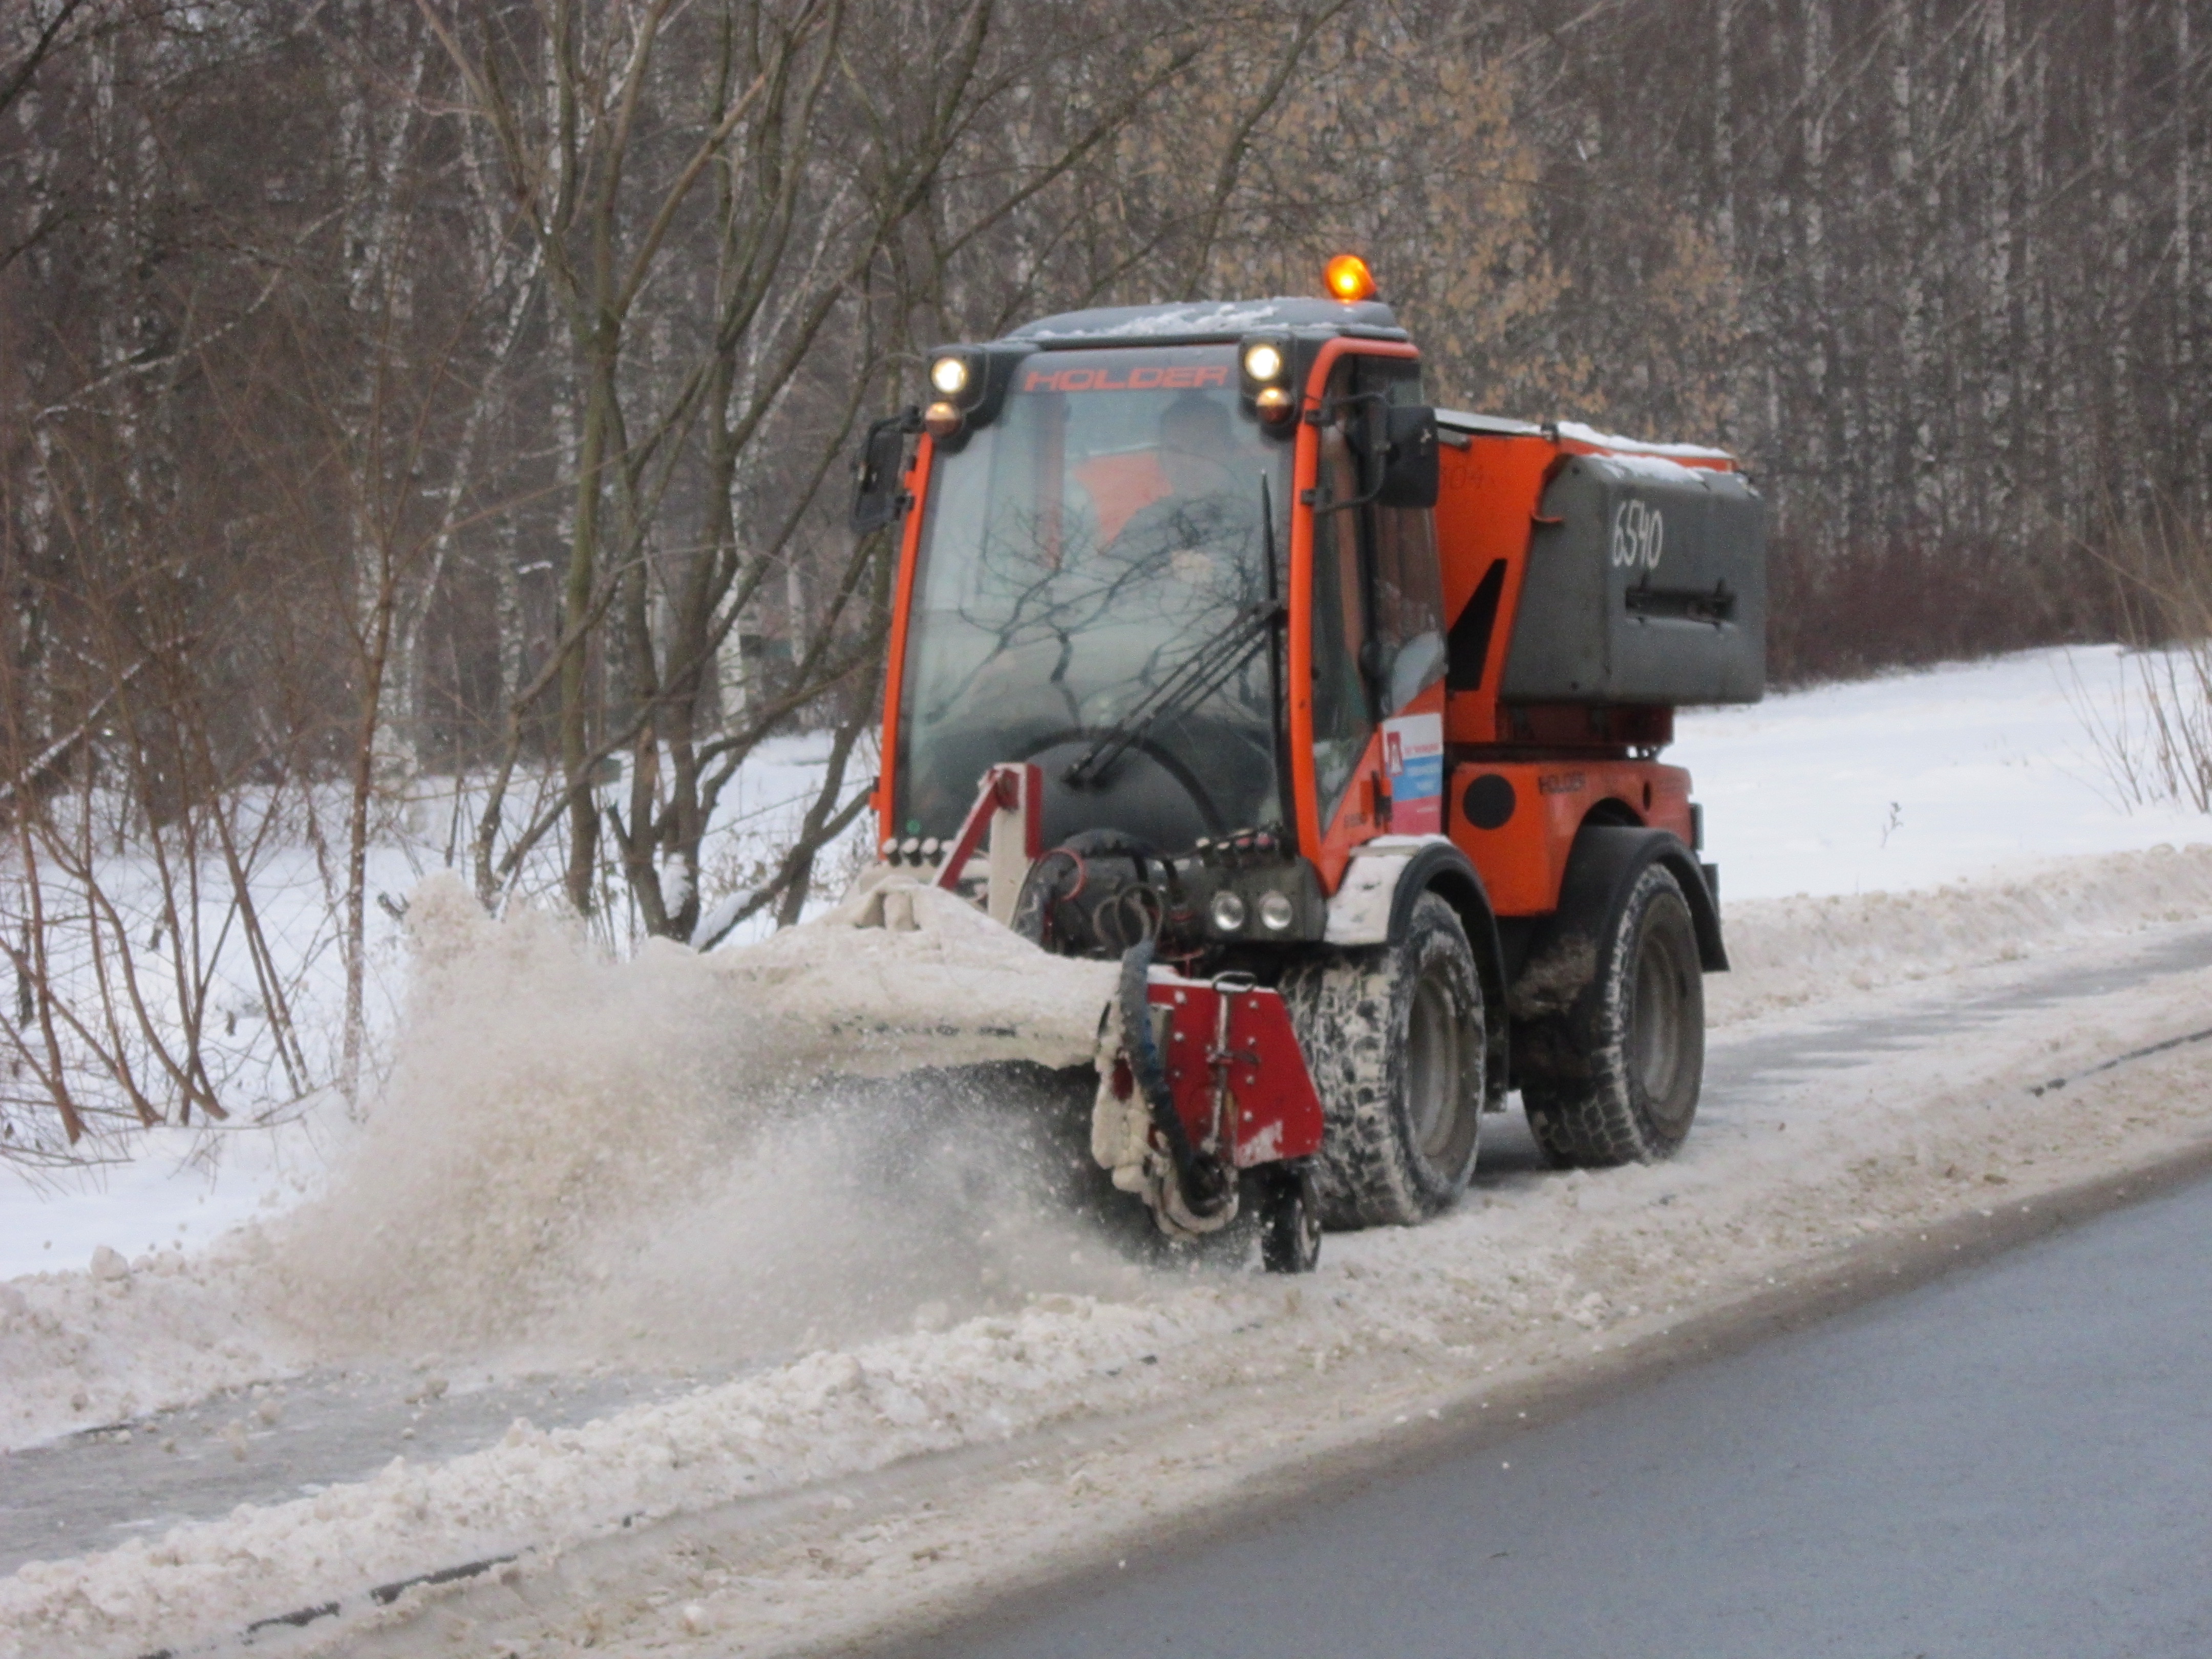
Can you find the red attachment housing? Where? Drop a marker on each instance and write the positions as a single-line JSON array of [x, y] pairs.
[[1234, 1067], [1012, 788]]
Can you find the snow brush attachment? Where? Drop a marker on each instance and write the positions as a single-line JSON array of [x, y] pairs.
[[1204, 1197]]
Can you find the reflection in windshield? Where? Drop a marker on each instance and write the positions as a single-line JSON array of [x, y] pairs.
[[1102, 532]]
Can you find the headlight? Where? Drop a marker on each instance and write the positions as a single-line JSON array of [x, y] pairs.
[[1276, 911], [1226, 911], [948, 375], [1263, 360]]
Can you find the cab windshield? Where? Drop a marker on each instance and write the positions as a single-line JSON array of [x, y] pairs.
[[1095, 594]]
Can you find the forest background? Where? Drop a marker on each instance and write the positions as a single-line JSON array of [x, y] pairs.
[[429, 425]]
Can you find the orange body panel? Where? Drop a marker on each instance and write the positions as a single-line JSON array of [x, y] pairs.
[[916, 478], [1486, 502], [1522, 860]]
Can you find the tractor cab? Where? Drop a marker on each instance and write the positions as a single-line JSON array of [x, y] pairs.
[[1131, 565]]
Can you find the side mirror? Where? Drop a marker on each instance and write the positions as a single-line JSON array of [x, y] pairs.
[[1409, 458], [877, 498]]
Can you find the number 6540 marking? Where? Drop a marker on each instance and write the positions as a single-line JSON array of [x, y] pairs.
[[1639, 535]]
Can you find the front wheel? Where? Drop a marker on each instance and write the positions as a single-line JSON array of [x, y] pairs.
[[1619, 1082], [1393, 1038], [1290, 1219]]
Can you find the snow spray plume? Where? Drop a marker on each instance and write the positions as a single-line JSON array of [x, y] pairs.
[[629, 1160], [542, 1096]]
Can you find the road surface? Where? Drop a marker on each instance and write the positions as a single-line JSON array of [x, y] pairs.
[[2015, 1459]]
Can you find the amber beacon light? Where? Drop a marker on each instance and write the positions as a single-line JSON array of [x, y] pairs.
[[1349, 278]]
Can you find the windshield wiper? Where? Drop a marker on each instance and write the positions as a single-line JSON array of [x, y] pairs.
[[1205, 671]]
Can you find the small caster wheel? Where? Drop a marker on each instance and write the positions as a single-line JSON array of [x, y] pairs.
[[1290, 1219]]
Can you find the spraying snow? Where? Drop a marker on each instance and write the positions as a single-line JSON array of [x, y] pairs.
[[579, 1156]]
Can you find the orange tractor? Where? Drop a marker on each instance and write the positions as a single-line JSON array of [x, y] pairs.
[[1334, 718]]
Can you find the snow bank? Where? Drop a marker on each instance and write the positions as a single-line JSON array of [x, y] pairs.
[[104, 1346], [1533, 1273], [1787, 952], [830, 1414], [579, 1159], [1909, 781]]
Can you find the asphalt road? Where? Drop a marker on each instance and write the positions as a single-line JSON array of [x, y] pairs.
[[2015, 1460]]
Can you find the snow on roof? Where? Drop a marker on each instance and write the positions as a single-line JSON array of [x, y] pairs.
[[1617, 447], [1460, 419], [1205, 318], [1576, 431], [1656, 467]]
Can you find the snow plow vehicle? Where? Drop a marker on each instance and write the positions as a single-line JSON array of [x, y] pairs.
[[1332, 718]]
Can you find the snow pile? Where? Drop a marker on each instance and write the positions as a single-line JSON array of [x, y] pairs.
[[81, 1349], [1785, 951], [902, 975], [1533, 1272], [540, 1096]]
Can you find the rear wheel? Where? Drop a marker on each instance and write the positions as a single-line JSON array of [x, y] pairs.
[[1619, 1082], [1393, 1038]]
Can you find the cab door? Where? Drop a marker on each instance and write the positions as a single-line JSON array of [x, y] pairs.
[[1377, 645]]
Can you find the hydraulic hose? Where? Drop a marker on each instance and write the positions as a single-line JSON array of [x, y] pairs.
[[1205, 1188]]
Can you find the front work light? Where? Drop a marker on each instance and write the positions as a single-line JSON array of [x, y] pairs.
[[1263, 360], [1349, 279], [948, 375]]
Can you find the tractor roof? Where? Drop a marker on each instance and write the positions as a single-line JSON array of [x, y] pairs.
[[1202, 321]]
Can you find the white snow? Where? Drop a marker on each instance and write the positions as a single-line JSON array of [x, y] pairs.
[[1588, 434], [579, 1161], [1657, 468], [1911, 780], [1144, 322]]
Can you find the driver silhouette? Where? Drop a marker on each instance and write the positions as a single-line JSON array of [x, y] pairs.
[[1199, 529]]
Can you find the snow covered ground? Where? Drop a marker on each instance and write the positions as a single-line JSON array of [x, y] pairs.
[[570, 1180], [1914, 780]]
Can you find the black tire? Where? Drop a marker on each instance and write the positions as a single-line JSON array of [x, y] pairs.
[[1290, 1219], [1393, 1035], [1614, 1079]]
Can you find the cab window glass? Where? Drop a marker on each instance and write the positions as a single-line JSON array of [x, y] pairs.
[[1343, 715], [1408, 603]]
